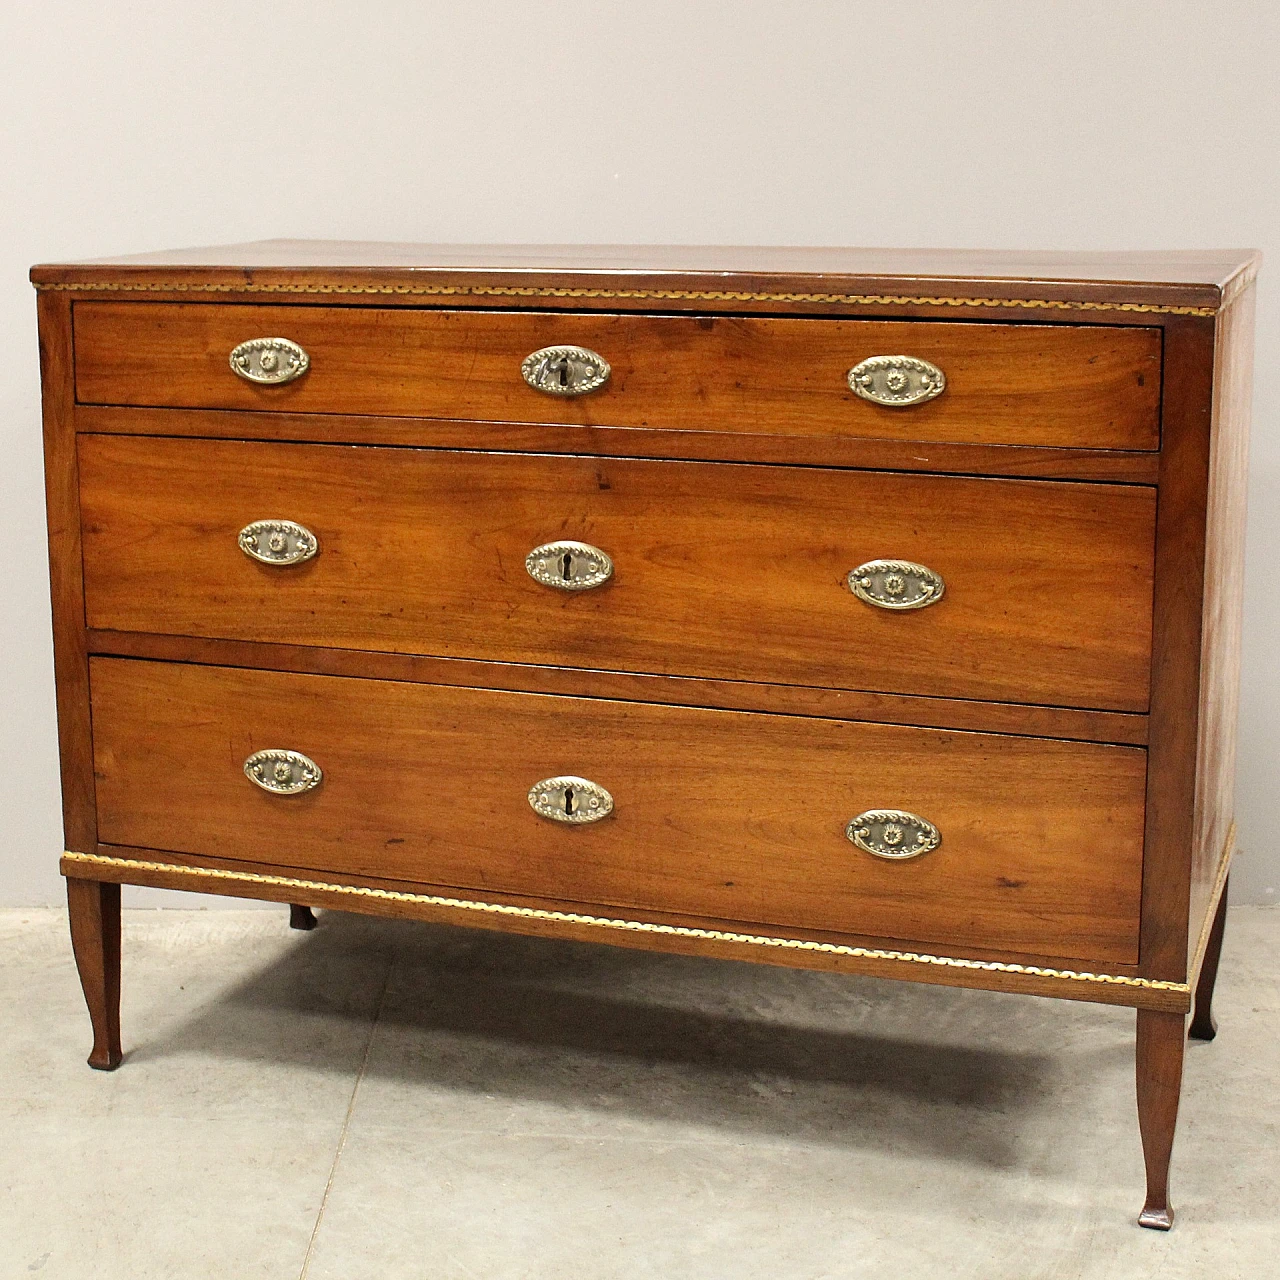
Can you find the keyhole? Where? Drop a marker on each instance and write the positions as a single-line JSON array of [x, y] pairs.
[[570, 801], [566, 566], [562, 371]]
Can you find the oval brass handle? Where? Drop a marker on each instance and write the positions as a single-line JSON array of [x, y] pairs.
[[565, 371], [569, 566], [269, 361], [896, 381], [278, 542], [283, 773], [567, 798], [896, 584], [893, 833]]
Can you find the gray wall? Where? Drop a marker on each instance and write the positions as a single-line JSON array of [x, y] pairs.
[[1021, 124]]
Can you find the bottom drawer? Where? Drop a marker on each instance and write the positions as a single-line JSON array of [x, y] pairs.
[[732, 815]]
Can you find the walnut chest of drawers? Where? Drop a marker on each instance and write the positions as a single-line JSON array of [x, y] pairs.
[[866, 611]]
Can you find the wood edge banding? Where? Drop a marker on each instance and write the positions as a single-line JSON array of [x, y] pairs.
[[531, 291], [72, 860]]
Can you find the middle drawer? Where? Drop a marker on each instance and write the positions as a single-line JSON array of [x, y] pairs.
[[719, 570]]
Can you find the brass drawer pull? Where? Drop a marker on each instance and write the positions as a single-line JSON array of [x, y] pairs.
[[570, 799], [269, 361], [896, 584], [565, 371], [278, 542], [896, 381], [893, 834], [283, 773], [570, 566]]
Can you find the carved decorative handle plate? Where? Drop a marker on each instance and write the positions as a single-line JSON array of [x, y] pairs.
[[269, 361], [278, 542], [283, 773], [569, 566], [570, 799], [893, 833], [565, 371], [897, 381], [896, 584]]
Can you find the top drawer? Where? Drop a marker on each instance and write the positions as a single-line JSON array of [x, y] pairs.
[[1049, 385]]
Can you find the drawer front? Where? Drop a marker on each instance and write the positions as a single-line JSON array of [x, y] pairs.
[[730, 815], [1058, 385], [719, 570]]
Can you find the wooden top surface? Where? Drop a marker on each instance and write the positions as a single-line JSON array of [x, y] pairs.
[[1200, 278]]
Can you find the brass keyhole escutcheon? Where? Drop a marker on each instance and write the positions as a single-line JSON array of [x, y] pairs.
[[569, 566], [565, 371], [570, 799]]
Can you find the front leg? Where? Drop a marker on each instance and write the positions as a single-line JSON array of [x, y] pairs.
[[94, 908], [1161, 1042]]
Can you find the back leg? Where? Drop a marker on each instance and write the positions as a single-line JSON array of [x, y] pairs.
[[1203, 1026], [301, 917]]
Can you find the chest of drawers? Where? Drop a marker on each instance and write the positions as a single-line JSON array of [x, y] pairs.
[[850, 610]]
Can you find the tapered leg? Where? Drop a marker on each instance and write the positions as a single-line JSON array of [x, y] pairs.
[[1203, 1026], [301, 917], [1162, 1039], [95, 939]]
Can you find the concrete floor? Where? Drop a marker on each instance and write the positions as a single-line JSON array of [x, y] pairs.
[[378, 1100]]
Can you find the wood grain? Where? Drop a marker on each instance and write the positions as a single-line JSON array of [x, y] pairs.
[[727, 695], [1203, 1024], [717, 813], [62, 506], [1161, 1045], [1050, 385], [1219, 692], [94, 911], [620, 442], [328, 267], [721, 571], [75, 864], [130, 865], [1175, 659]]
